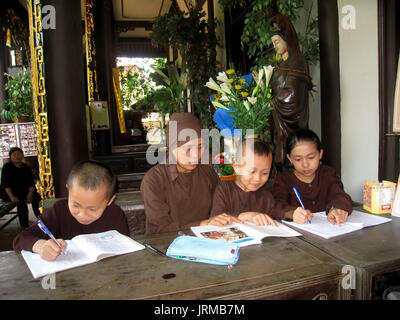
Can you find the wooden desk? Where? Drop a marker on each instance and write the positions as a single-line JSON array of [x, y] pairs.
[[280, 268], [374, 252]]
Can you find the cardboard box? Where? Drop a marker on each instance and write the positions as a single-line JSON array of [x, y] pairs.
[[379, 196]]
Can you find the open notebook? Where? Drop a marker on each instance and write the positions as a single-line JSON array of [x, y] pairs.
[[245, 234], [81, 250], [320, 225]]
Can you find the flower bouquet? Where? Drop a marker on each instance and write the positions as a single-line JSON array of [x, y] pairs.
[[243, 102]]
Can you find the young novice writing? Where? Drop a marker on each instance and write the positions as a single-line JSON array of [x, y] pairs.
[[246, 198], [89, 209], [319, 187]]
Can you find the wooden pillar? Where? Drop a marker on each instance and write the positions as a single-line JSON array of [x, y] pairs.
[[65, 87], [388, 44], [3, 51], [328, 23], [102, 10]]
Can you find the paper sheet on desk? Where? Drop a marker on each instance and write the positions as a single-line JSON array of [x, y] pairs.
[[365, 219], [323, 228]]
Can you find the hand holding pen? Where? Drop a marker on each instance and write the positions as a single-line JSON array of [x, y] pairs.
[[48, 249], [301, 214]]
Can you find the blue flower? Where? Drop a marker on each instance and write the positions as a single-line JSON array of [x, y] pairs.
[[248, 78], [224, 121]]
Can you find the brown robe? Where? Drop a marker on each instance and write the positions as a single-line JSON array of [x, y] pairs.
[[231, 199], [63, 225], [323, 193], [175, 201]]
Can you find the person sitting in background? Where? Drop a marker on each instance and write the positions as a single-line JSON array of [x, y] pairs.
[[18, 186]]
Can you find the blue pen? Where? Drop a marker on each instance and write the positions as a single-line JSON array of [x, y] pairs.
[[46, 231], [298, 198]]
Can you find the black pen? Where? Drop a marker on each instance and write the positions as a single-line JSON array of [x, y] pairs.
[[154, 249]]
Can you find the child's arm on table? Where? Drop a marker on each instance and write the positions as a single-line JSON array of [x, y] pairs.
[[258, 218], [339, 203], [221, 208], [337, 216], [220, 220]]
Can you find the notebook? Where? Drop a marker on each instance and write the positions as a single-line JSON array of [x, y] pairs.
[[81, 250], [245, 234], [320, 225]]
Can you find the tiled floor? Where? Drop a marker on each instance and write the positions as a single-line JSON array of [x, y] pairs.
[[8, 234]]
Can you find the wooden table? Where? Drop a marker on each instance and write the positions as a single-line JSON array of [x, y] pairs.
[[374, 253], [280, 268]]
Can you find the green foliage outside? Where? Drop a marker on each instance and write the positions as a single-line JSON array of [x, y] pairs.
[[136, 83], [19, 100], [194, 37], [170, 96]]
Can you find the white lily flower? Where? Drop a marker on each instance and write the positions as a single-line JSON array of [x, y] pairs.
[[268, 74], [222, 77], [260, 75], [247, 105], [225, 88], [252, 100], [224, 98], [213, 85], [219, 105]]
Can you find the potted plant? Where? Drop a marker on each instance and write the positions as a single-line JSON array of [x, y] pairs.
[[18, 107], [170, 97], [194, 37], [224, 170]]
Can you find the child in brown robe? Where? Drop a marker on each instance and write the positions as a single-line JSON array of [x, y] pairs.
[[319, 187], [178, 194], [246, 198], [89, 209]]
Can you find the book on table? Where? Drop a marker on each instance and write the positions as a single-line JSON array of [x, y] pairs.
[[320, 225], [81, 250], [244, 234]]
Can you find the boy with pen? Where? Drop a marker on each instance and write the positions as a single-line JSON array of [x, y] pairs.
[[314, 186], [89, 209]]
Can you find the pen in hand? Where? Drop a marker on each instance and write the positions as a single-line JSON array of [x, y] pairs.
[[301, 202], [47, 231]]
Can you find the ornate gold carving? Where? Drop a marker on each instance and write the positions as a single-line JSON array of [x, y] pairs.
[[45, 186], [93, 91], [118, 100]]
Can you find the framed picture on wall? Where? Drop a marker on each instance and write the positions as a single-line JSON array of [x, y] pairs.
[[99, 115]]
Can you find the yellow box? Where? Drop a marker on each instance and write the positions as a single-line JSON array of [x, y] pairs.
[[379, 196]]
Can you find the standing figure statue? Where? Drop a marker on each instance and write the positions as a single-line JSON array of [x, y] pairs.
[[290, 85]]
